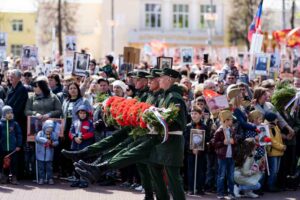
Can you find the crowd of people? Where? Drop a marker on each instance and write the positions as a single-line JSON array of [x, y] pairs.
[[233, 162]]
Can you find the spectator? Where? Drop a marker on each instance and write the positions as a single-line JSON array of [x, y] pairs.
[[247, 173], [43, 104], [54, 83], [46, 140], [10, 141], [69, 108], [275, 152], [224, 142], [119, 88], [17, 96], [82, 135], [196, 115], [27, 81]]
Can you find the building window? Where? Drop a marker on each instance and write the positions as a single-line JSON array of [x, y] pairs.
[[17, 25], [16, 49], [180, 16], [207, 16], [153, 16]]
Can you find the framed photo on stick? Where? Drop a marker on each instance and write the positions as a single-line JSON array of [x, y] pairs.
[[187, 55], [264, 135], [81, 63], [261, 64], [164, 62], [197, 139]]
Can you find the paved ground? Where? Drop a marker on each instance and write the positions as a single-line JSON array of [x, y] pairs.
[[61, 191]]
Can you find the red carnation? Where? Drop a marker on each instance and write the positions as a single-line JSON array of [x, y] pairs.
[[267, 140]]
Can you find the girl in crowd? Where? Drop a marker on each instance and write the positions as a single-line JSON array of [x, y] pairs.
[[246, 173]]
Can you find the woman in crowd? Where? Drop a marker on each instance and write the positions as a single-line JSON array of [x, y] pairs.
[[119, 88], [54, 83], [70, 105], [43, 104], [247, 173]]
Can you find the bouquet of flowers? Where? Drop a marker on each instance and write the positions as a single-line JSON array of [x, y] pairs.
[[143, 117]]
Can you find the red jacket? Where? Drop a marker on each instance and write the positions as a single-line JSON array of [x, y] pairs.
[[218, 142], [85, 130]]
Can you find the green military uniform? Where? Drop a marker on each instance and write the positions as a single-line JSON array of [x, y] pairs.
[[169, 155], [142, 148]]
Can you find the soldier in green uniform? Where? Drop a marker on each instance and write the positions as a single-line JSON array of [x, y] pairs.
[[141, 85], [169, 154]]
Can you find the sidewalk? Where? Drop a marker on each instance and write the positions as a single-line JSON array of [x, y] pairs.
[[61, 191]]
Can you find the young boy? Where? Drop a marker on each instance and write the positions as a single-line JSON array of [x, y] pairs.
[[11, 140], [46, 140], [196, 115], [224, 142], [275, 151], [82, 135]]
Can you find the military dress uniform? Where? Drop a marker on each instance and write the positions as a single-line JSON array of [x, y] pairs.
[[169, 155]]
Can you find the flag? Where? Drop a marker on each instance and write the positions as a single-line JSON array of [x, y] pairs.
[[255, 26]]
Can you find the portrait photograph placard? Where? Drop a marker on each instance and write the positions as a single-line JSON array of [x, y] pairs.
[[187, 55], [286, 66], [34, 125], [164, 62], [81, 63], [3, 40], [29, 57], [217, 103], [68, 65], [197, 139], [261, 64], [70, 43], [265, 133]]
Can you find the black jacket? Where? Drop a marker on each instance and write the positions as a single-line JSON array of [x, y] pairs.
[[17, 98]]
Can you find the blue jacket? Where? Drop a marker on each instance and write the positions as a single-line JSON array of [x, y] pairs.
[[45, 152], [11, 135], [242, 120]]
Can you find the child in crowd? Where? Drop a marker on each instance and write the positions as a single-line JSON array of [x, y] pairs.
[[11, 142], [247, 173], [224, 142], [46, 140], [82, 135], [275, 151], [197, 123], [256, 117]]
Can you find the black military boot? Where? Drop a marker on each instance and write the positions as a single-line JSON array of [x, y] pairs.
[[77, 155], [90, 172], [149, 196]]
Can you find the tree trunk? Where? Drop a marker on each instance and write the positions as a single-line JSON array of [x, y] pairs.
[[59, 29], [293, 15]]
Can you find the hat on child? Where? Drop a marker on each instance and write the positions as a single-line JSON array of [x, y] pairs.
[[254, 115], [5, 110], [48, 124], [233, 91], [225, 115], [270, 116]]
